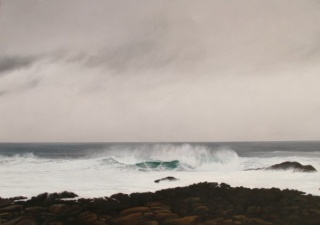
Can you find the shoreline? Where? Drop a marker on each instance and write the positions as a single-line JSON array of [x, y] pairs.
[[197, 204]]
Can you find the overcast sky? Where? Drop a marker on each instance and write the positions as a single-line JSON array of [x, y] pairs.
[[147, 70]]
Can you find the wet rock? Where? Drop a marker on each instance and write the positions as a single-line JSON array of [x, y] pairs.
[[120, 197], [297, 167], [58, 208], [165, 216], [166, 179], [17, 198], [12, 208], [201, 210], [54, 196], [158, 211], [87, 217], [5, 203], [131, 219], [134, 210], [35, 209], [56, 223], [251, 209], [190, 220], [192, 200], [6, 215], [46, 199], [198, 204], [39, 198], [160, 208], [66, 194], [154, 204], [22, 221], [73, 210], [152, 222], [49, 216]]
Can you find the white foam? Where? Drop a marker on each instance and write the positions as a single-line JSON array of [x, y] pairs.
[[98, 176], [192, 156]]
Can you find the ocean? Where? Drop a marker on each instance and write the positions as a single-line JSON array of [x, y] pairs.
[[103, 169]]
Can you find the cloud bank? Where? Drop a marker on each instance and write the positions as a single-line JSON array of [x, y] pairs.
[[159, 70]]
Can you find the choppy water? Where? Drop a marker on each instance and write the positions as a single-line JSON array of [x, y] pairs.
[[102, 169]]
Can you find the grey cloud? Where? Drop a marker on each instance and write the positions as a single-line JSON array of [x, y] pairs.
[[30, 84], [159, 46], [224, 69], [3, 93], [11, 63], [136, 56]]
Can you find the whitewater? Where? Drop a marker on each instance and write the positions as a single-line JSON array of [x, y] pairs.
[[103, 169]]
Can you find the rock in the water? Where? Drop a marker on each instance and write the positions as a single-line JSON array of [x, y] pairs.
[[166, 178], [297, 167]]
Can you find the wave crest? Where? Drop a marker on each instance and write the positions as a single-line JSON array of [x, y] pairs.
[[179, 157]]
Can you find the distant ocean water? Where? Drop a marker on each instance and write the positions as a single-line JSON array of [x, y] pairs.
[[103, 169]]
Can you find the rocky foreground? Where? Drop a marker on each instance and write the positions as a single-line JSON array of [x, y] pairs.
[[198, 204]]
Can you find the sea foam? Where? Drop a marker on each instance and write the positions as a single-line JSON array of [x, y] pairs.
[[102, 170]]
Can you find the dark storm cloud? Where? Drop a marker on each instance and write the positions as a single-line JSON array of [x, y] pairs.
[[11, 63]]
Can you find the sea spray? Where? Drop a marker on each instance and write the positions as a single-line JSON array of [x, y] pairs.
[[102, 169]]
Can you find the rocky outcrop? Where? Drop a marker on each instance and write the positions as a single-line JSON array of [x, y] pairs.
[[295, 166], [166, 179], [198, 204]]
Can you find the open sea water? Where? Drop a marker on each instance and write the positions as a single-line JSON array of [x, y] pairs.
[[103, 169]]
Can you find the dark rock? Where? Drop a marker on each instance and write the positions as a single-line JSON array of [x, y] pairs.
[[192, 200], [73, 210], [166, 179], [54, 196], [87, 217], [6, 215], [197, 204], [39, 199], [18, 198], [251, 209], [22, 221], [123, 198], [190, 220], [134, 210], [131, 219], [224, 185], [34, 209], [201, 210], [67, 194], [151, 222], [4, 203], [165, 216], [11, 208], [297, 167], [46, 199], [58, 208]]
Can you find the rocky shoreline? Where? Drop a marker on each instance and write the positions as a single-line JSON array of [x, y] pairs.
[[197, 204]]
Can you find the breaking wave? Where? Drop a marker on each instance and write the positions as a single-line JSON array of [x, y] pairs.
[[141, 157], [178, 157]]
